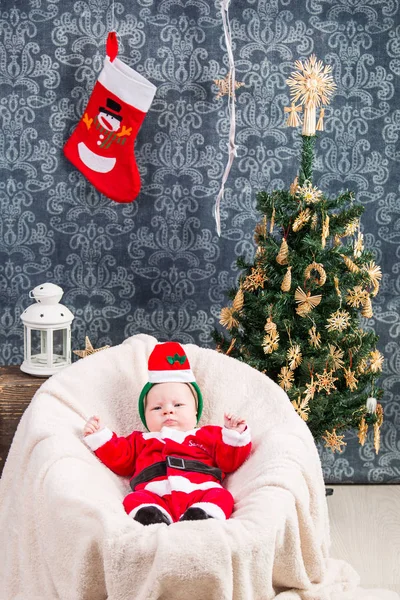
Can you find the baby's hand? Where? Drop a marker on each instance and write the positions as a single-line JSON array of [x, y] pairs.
[[234, 422], [92, 425]]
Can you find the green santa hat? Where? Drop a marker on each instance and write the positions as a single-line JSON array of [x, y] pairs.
[[168, 362]]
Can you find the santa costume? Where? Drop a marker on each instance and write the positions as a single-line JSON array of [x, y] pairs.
[[177, 474]]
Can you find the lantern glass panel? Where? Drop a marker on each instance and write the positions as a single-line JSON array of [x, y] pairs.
[[59, 346], [38, 347]]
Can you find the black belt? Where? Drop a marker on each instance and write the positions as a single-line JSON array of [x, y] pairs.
[[175, 462]]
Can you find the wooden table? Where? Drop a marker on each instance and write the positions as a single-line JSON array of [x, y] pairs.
[[16, 391]]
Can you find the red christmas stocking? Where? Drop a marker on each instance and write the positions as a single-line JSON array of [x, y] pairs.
[[101, 146]]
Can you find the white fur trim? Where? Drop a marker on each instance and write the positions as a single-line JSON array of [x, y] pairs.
[[175, 434], [153, 434], [98, 439], [134, 511], [234, 438], [127, 84], [177, 483], [213, 510], [169, 433], [179, 376]]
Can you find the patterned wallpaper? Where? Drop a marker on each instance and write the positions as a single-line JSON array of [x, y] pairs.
[[156, 265]]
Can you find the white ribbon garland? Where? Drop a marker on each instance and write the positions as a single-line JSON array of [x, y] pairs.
[[231, 107]]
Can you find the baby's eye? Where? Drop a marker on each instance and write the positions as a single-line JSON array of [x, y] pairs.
[[156, 408], [179, 404]]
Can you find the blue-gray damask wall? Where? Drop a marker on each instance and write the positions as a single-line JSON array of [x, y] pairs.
[[157, 265]]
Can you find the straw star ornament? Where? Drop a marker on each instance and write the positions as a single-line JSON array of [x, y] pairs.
[[326, 381], [88, 349], [225, 86], [311, 85], [301, 407], [333, 441]]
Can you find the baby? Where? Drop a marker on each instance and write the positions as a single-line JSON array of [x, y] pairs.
[[176, 469]]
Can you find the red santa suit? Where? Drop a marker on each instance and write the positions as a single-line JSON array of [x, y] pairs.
[[179, 487]]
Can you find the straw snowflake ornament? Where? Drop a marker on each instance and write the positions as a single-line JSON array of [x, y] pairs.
[[301, 407], [334, 441], [311, 85]]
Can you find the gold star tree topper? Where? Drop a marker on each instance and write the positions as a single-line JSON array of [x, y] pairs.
[[311, 85], [88, 349]]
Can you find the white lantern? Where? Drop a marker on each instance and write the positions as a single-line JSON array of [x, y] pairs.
[[47, 332]]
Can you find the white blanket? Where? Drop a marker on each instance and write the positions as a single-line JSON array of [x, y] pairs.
[[64, 532]]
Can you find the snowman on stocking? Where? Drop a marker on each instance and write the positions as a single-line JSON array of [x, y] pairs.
[[101, 146]]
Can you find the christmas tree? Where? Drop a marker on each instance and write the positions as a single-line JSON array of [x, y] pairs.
[[295, 314]]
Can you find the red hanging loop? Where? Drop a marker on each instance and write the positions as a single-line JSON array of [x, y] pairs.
[[112, 45]]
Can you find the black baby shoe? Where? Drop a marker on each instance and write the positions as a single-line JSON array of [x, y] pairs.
[[194, 513], [148, 515]]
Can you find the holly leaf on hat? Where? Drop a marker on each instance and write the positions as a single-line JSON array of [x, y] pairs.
[[176, 358]]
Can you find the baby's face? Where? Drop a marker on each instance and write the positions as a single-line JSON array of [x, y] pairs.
[[170, 405]]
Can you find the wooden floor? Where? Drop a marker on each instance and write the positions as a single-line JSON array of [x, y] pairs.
[[365, 531]]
